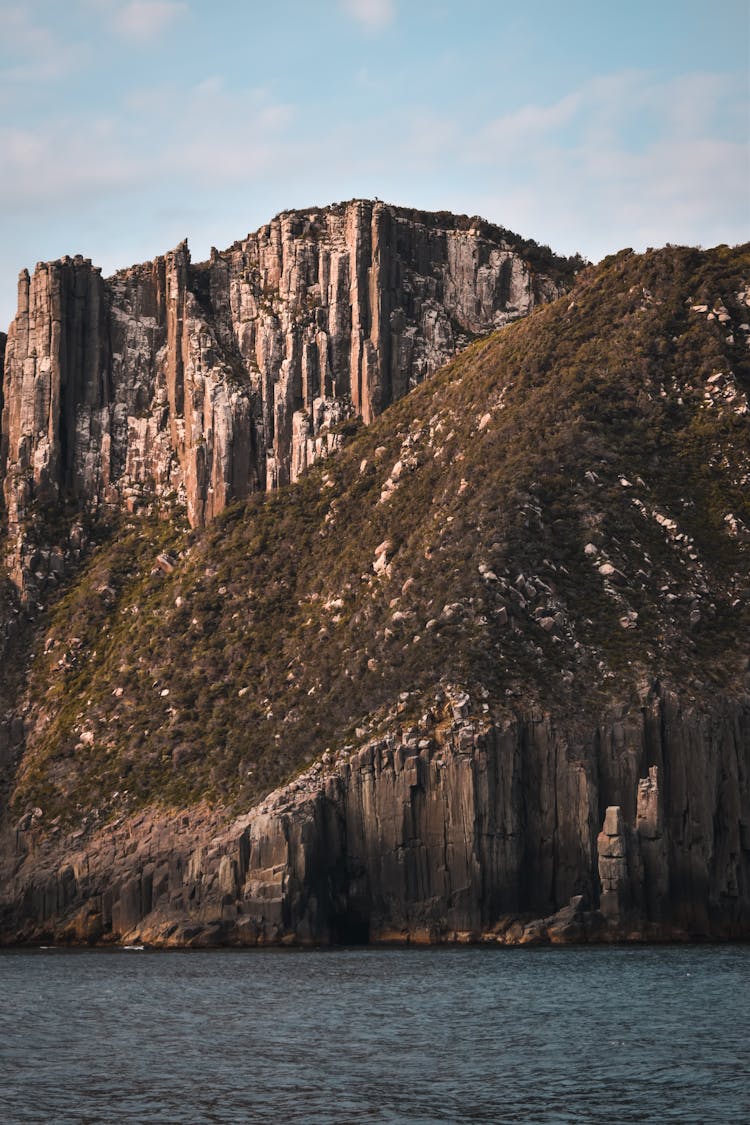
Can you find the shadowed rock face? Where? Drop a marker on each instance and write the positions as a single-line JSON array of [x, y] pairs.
[[204, 383], [487, 830]]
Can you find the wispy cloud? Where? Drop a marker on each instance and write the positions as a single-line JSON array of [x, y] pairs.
[[158, 136], [622, 160], [525, 126], [625, 159], [372, 15], [145, 20], [37, 54]]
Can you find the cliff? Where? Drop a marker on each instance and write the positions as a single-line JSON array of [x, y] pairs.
[[480, 674], [3, 342], [199, 384], [465, 830]]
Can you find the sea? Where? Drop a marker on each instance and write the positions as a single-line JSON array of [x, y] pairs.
[[414, 1035]]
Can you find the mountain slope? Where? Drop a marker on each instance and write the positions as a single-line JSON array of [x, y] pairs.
[[556, 524]]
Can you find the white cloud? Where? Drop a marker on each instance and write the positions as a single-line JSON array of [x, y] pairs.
[[145, 20], [158, 138], [623, 160], [373, 15], [527, 125], [38, 55]]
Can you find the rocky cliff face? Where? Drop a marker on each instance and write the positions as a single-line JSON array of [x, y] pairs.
[[3, 342], [480, 830], [499, 641], [203, 383]]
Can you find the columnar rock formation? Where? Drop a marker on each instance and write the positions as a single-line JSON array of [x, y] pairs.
[[499, 642], [202, 383], [3, 342], [481, 830]]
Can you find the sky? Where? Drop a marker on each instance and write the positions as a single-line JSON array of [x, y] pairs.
[[127, 125]]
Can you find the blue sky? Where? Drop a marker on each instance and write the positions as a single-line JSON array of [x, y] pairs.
[[126, 125]]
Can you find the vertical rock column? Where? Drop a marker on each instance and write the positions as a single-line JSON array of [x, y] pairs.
[[210, 416], [614, 876], [358, 243], [650, 829], [176, 283], [376, 375], [633, 862], [3, 342], [56, 406], [56, 378]]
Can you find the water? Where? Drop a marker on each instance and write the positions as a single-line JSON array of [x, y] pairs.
[[367, 1035]]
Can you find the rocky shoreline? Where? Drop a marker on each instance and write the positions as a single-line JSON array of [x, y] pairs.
[[483, 831]]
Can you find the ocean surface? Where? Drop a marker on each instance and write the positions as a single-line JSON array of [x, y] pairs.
[[651, 1034]]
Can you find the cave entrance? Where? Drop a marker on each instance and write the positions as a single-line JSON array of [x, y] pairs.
[[351, 928]]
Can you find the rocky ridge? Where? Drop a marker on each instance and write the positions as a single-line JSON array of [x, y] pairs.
[[195, 385]]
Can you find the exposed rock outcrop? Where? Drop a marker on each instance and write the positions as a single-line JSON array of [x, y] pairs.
[[515, 606], [616, 865], [481, 831], [203, 383], [3, 342]]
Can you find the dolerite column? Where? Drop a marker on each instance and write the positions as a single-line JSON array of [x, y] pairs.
[[358, 237], [377, 375], [56, 371], [650, 828], [612, 848]]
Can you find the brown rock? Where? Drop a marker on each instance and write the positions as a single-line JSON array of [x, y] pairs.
[[480, 825], [199, 384]]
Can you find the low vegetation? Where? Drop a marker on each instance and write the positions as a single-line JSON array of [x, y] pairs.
[[557, 517]]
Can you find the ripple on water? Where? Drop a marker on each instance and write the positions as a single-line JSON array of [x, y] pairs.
[[429, 1036]]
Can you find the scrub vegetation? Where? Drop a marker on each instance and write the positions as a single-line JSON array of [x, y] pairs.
[[560, 514]]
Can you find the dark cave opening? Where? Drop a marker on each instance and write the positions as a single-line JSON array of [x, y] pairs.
[[351, 928]]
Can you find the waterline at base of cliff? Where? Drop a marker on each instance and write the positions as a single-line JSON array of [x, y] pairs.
[[477, 832]]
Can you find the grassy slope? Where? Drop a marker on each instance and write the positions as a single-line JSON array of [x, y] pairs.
[[274, 638]]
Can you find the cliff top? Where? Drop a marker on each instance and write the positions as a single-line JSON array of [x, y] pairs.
[[559, 267]]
